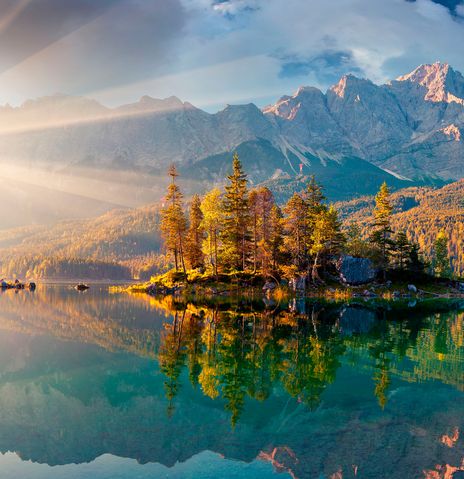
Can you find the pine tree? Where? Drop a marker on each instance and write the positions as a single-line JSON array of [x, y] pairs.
[[236, 235], [382, 217], [415, 263], [402, 250], [213, 222], [441, 260], [173, 221], [355, 245], [195, 235], [313, 195], [327, 238], [295, 226]]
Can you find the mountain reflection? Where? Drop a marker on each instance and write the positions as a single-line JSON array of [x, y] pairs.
[[316, 389]]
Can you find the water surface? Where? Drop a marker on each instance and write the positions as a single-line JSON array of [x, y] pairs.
[[107, 385]]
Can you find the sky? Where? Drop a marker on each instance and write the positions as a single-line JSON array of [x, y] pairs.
[[216, 52]]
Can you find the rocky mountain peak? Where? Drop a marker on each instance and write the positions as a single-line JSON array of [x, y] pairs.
[[287, 107], [149, 104], [349, 83], [440, 81]]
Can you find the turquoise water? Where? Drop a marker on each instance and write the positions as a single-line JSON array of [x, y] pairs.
[[100, 385]]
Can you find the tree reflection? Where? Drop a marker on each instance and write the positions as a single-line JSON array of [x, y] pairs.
[[237, 354]]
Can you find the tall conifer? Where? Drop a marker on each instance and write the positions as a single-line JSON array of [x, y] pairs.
[[173, 221], [236, 235]]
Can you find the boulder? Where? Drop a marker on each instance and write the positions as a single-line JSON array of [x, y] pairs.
[[355, 270], [412, 288], [269, 286]]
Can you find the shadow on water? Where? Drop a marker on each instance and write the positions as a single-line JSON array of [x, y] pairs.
[[315, 388]]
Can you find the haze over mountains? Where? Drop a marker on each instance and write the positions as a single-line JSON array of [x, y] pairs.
[[353, 137]]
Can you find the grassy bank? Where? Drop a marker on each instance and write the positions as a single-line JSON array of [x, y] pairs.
[[247, 284]]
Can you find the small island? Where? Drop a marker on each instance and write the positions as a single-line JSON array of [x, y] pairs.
[[242, 242]]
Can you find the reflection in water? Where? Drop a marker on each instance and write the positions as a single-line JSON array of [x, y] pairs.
[[244, 353], [311, 390]]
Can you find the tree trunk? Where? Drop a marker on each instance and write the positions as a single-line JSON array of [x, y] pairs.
[[314, 272]]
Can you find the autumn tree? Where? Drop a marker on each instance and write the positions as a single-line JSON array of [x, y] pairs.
[[261, 202], [441, 260], [195, 235], [236, 234], [327, 238], [295, 227], [173, 221], [381, 237], [276, 238], [212, 224], [253, 204]]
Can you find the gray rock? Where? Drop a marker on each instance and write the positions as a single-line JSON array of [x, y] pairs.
[[356, 270], [412, 288], [269, 286]]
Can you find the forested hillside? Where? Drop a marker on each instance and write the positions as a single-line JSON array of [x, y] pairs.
[[422, 213], [116, 245]]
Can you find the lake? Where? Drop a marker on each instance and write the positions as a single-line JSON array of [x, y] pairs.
[[100, 385]]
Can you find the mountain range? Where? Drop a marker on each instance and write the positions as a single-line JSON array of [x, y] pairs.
[[354, 136]]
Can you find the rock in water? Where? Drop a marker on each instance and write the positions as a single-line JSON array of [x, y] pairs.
[[412, 288], [356, 270], [82, 287]]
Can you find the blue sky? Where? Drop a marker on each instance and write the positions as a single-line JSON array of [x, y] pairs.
[[213, 52]]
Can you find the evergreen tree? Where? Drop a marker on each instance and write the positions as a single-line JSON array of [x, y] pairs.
[[195, 235], [327, 238], [313, 195], [173, 221], [315, 208], [441, 260], [212, 224], [236, 235], [381, 237], [295, 225], [355, 245], [415, 263], [402, 250]]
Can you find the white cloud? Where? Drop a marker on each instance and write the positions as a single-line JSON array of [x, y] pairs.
[[384, 38], [210, 57]]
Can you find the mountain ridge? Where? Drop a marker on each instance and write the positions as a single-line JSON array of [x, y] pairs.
[[410, 128]]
